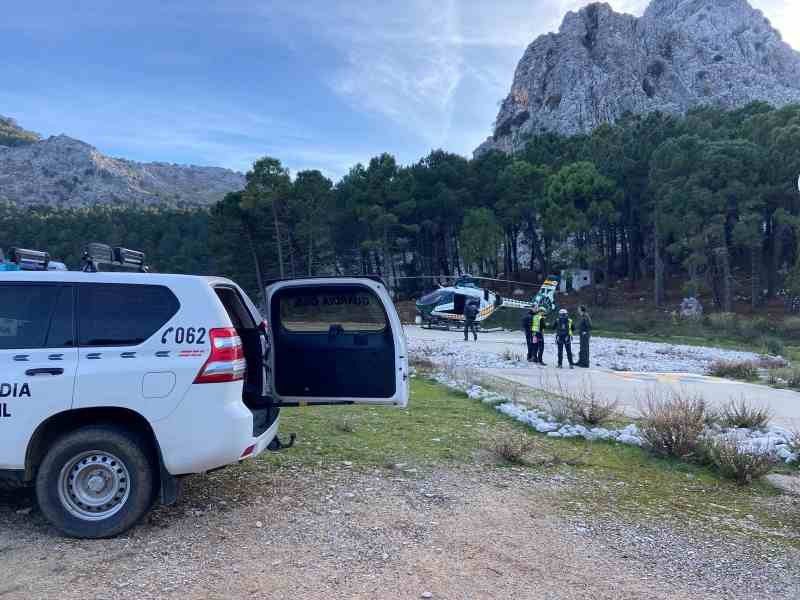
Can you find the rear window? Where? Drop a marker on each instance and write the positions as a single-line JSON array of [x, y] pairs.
[[354, 309], [122, 315], [35, 316]]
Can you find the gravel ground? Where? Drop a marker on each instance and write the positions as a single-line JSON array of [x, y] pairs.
[[497, 350], [460, 533]]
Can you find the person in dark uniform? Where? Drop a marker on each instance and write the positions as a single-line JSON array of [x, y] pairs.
[[470, 314], [539, 324], [585, 331], [564, 337], [527, 328]]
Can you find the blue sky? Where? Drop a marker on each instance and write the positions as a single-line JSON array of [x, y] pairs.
[[318, 84]]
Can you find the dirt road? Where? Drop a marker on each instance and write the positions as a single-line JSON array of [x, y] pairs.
[[466, 533]]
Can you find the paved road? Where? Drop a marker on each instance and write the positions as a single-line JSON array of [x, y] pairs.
[[629, 388]]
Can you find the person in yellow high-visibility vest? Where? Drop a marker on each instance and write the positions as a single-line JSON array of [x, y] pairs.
[[538, 325], [564, 337]]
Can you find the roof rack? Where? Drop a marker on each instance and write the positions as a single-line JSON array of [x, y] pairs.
[[28, 260], [97, 255]]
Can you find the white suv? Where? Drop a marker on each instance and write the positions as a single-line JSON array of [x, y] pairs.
[[112, 385]]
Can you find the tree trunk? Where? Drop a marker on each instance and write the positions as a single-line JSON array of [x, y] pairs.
[[310, 253], [254, 254], [755, 280], [727, 279], [658, 287], [278, 237]]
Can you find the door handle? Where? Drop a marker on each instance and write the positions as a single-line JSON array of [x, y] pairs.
[[44, 371]]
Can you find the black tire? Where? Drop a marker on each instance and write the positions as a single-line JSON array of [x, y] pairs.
[[137, 463]]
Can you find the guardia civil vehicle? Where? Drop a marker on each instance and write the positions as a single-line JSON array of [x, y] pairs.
[[115, 382]]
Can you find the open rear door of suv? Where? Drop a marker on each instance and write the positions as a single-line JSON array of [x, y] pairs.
[[336, 341]]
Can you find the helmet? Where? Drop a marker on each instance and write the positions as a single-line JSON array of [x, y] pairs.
[[542, 309], [563, 312]]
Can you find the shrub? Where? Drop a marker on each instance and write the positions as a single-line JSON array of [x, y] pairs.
[[773, 346], [581, 406], [790, 327], [422, 363], [511, 447], [727, 369], [771, 362], [671, 426], [639, 323], [741, 414], [588, 408], [789, 376], [735, 462], [727, 323]]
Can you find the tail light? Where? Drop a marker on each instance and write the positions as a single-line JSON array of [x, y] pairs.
[[226, 361]]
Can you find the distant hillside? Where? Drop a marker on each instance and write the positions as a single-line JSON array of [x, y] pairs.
[[12, 134], [63, 171]]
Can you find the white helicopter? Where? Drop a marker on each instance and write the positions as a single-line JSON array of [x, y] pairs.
[[445, 307]]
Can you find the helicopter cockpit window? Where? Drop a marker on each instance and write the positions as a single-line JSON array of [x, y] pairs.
[[437, 297]]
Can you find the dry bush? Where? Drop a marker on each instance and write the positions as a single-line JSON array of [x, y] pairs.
[[742, 414], [422, 363], [672, 425], [582, 406], [745, 370], [736, 463], [510, 446], [590, 409], [771, 362]]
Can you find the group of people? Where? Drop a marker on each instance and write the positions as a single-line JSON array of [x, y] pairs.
[[535, 323]]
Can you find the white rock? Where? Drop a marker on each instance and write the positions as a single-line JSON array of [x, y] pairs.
[[545, 427]]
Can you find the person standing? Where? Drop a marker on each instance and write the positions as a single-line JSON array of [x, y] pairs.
[[585, 332], [470, 314], [564, 337], [538, 333], [527, 329]]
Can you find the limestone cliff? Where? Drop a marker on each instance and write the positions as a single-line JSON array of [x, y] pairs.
[[678, 55]]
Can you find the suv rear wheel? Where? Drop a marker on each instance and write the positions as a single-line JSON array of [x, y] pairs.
[[96, 482]]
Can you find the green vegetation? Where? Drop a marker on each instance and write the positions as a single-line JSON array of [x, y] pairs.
[[174, 239], [12, 134], [439, 427], [707, 200]]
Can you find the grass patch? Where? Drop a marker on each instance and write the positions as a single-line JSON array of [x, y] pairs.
[[439, 426]]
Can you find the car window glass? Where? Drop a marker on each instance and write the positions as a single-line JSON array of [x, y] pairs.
[[354, 309], [61, 333], [122, 315], [25, 315]]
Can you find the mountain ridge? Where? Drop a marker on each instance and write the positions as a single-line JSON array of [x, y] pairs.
[[64, 171], [678, 55]]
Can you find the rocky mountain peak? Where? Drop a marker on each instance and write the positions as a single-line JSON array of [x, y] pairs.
[[61, 170], [678, 55]]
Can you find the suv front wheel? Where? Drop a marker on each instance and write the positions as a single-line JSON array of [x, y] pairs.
[[96, 482]]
